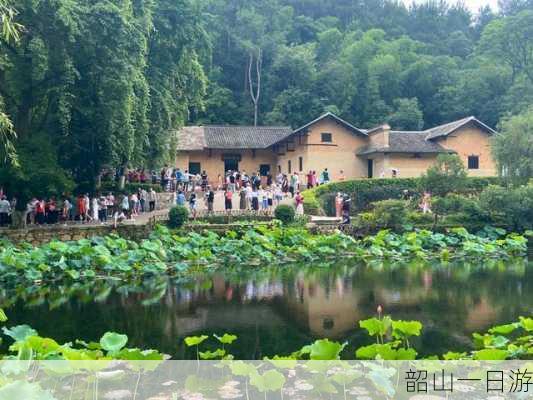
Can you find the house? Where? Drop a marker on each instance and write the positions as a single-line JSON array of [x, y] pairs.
[[333, 143]]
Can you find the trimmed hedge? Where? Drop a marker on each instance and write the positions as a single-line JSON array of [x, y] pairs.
[[364, 192]]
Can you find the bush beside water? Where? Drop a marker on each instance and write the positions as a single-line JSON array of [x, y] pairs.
[[285, 214]]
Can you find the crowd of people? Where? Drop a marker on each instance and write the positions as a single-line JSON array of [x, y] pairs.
[[254, 192], [240, 190], [100, 208]]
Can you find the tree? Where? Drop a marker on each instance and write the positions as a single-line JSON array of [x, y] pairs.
[[510, 40], [407, 115], [446, 176], [513, 147]]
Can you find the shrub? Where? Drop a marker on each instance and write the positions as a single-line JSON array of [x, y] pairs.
[[418, 218], [510, 206], [177, 216], [284, 213], [391, 213], [366, 191], [446, 176]]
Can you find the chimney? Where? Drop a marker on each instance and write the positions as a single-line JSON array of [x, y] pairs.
[[386, 134]]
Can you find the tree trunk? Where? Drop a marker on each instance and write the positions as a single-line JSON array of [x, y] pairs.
[[255, 94]]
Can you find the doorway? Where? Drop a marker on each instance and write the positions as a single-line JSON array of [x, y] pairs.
[[370, 168], [231, 164]]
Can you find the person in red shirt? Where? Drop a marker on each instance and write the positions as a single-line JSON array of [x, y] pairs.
[[40, 212], [80, 203]]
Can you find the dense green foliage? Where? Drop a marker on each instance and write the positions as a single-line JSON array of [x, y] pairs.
[[91, 85], [369, 61], [366, 191], [98, 84], [392, 342], [513, 147], [169, 252], [447, 175], [177, 216], [285, 213]]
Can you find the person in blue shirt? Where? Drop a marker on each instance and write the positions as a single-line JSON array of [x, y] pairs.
[[180, 199], [179, 177]]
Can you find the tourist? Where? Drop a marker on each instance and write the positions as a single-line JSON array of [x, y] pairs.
[[163, 175], [210, 199], [269, 180], [186, 178], [294, 183], [30, 211], [270, 199], [134, 204], [192, 204], [96, 209], [346, 202], [110, 203], [231, 178], [40, 212], [228, 197], [179, 178], [87, 204], [242, 198], [125, 206], [325, 176], [152, 198], [255, 200], [80, 205], [204, 181], [264, 200], [285, 185], [338, 205], [102, 209], [425, 205], [52, 214], [309, 178], [180, 198], [256, 181], [341, 176], [168, 178], [278, 195], [5, 209], [143, 199], [119, 216], [279, 179], [299, 200], [66, 210], [314, 179], [154, 178]]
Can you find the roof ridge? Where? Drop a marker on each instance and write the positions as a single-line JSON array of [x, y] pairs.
[[465, 119], [248, 126]]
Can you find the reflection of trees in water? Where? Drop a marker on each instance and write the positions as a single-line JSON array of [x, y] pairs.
[[276, 309]]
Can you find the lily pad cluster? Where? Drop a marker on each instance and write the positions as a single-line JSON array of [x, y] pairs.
[[173, 252]]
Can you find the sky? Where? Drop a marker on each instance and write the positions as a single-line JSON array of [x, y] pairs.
[[474, 5]]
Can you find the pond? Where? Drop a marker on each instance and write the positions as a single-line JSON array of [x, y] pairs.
[[276, 310]]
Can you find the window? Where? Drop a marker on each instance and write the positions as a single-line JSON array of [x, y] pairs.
[[194, 168], [326, 137], [473, 162], [264, 169], [289, 167], [300, 164]]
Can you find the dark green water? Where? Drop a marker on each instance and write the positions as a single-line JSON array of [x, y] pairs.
[[277, 310]]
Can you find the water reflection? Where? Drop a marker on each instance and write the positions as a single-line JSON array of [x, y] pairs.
[[276, 310]]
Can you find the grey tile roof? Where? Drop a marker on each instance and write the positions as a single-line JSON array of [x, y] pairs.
[[230, 137], [335, 118], [446, 129], [191, 138], [406, 142]]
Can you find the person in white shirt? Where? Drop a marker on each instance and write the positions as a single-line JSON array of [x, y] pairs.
[[95, 207], [152, 197], [5, 209]]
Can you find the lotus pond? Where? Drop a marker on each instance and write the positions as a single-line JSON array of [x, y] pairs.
[[277, 309]]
